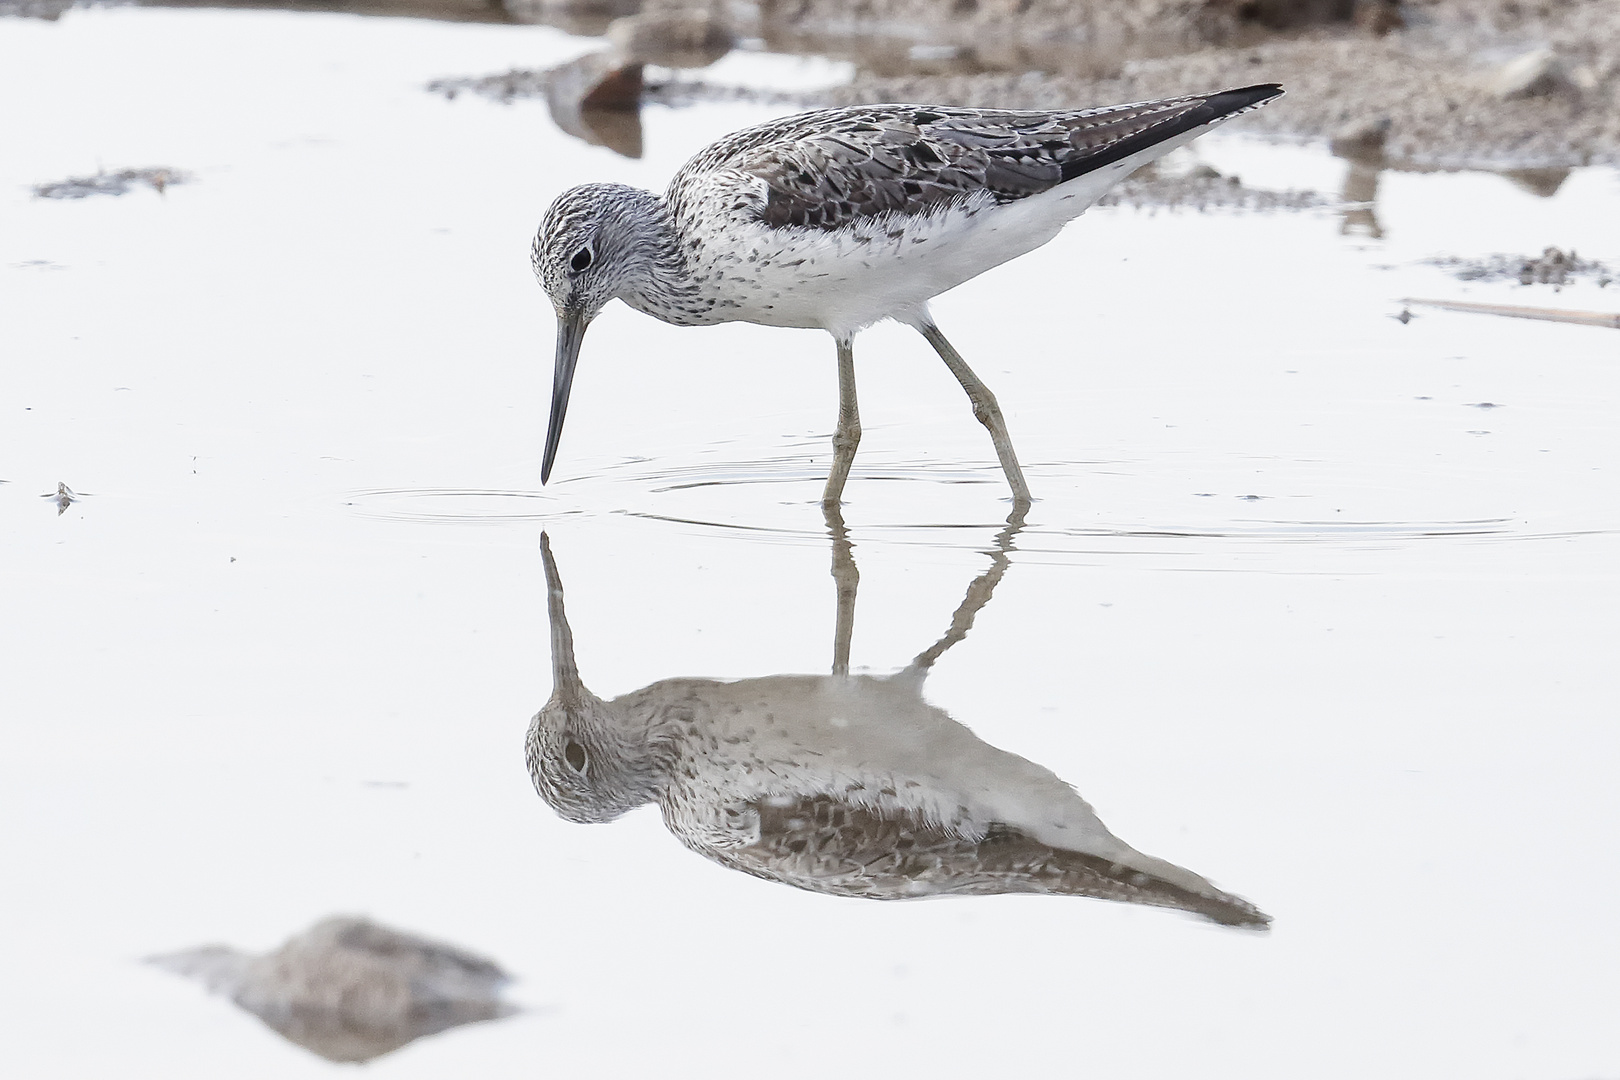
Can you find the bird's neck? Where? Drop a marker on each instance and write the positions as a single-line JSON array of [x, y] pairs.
[[662, 284]]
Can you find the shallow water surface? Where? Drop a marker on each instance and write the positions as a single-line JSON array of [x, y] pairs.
[[1314, 603]]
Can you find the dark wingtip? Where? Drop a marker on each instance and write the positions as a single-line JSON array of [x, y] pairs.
[[1188, 113], [1227, 102]]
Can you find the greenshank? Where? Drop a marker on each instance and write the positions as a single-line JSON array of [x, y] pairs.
[[841, 218]]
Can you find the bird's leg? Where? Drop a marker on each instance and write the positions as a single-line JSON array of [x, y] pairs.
[[984, 407], [848, 434]]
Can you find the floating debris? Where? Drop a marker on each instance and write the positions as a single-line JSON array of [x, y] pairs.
[[673, 92], [518, 82], [1552, 267], [64, 496], [1579, 318], [350, 989], [678, 93], [110, 183], [1203, 188]]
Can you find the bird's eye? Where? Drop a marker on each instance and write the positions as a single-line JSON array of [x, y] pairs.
[[581, 260], [575, 756]]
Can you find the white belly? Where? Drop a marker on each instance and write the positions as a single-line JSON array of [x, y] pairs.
[[843, 279]]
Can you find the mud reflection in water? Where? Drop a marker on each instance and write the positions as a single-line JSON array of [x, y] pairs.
[[349, 989], [851, 785]]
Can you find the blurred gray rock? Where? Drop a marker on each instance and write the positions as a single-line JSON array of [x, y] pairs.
[[1361, 140], [597, 98], [350, 989], [1284, 14], [1542, 183]]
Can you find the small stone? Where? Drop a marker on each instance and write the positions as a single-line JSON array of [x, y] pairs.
[[1379, 17], [1536, 73], [599, 80], [597, 98], [1286, 14]]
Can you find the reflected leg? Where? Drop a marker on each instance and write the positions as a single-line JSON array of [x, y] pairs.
[[848, 434], [984, 407], [978, 595], [846, 578], [1361, 197]]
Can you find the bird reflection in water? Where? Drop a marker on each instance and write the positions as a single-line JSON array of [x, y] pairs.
[[349, 989], [851, 785]]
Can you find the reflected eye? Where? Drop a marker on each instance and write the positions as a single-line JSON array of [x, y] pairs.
[[574, 754], [581, 261]]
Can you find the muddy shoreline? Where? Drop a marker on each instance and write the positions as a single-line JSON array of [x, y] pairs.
[[1436, 89], [1497, 84], [1494, 84]]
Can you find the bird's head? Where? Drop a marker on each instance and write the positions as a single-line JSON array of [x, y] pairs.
[[586, 253], [590, 760], [583, 764]]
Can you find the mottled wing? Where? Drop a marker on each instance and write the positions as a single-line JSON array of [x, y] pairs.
[[825, 169], [823, 845]]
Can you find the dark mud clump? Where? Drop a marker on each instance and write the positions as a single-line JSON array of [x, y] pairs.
[[48, 10], [674, 92], [110, 183], [1552, 267], [1162, 185], [517, 83]]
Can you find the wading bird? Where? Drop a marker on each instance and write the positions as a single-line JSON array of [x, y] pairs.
[[841, 218]]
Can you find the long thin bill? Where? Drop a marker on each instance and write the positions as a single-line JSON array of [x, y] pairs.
[[570, 332]]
